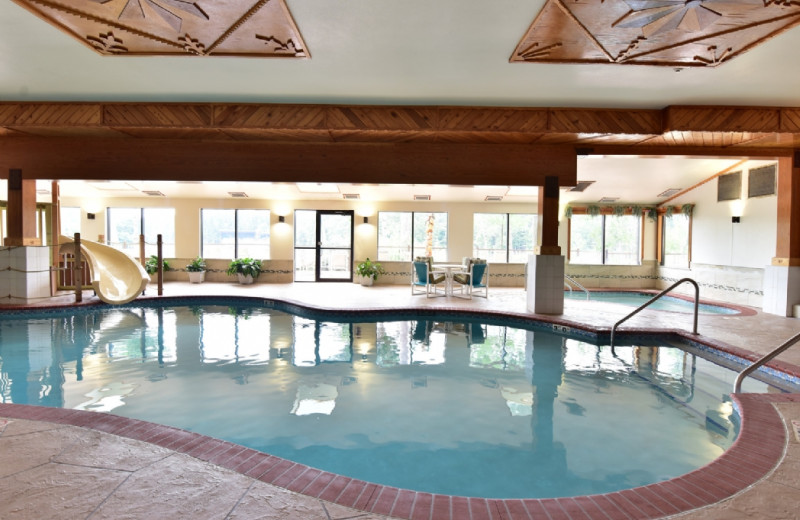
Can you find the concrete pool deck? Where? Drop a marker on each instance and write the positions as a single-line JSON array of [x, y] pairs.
[[53, 466]]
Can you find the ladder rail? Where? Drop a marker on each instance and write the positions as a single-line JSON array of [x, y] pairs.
[[737, 385], [655, 298], [568, 278]]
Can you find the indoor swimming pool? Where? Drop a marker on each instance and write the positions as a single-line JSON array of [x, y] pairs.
[[665, 303], [441, 405]]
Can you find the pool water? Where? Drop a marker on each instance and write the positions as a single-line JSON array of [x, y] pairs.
[[442, 406], [635, 299]]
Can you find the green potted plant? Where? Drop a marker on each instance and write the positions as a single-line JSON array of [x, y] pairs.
[[369, 271], [245, 269], [151, 265], [197, 270]]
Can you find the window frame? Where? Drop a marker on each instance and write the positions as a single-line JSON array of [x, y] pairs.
[[170, 246], [412, 247], [662, 242], [507, 238], [603, 238], [236, 252]]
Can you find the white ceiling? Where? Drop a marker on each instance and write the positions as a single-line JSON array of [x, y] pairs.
[[443, 52]]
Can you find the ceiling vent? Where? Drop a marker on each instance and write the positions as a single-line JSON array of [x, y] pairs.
[[422, 197], [351, 196], [493, 198], [43, 192], [238, 194], [153, 193], [581, 186], [669, 193], [607, 200]]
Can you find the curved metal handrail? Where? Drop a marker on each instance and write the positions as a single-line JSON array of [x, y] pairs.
[[656, 297], [737, 385], [575, 282]]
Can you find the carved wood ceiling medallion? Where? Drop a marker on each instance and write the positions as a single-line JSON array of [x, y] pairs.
[[260, 28], [675, 33]]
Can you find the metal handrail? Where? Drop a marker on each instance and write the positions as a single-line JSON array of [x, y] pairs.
[[656, 297], [737, 385], [579, 286]]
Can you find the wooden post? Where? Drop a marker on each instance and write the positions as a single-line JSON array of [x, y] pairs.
[[141, 250], [77, 269], [159, 245], [55, 236], [21, 211], [548, 217]]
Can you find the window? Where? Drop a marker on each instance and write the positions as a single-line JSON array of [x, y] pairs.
[[676, 241], [70, 221], [235, 233], [124, 225], [604, 239], [503, 237], [405, 235]]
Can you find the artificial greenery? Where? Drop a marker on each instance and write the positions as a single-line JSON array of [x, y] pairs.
[[196, 266], [151, 265], [687, 209], [568, 212], [245, 267], [652, 213], [636, 210], [370, 269], [669, 211], [593, 210], [619, 211]]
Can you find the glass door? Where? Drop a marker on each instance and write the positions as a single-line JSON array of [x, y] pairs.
[[323, 246]]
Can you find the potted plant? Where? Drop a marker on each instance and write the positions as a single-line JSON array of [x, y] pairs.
[[246, 269], [197, 270], [151, 265], [369, 271]]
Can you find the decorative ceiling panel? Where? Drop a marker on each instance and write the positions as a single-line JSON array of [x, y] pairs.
[[260, 28], [675, 33]]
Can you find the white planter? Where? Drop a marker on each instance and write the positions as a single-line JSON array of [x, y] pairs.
[[366, 281], [197, 276], [245, 279]]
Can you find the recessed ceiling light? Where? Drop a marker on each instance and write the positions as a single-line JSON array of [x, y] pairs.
[[524, 191], [669, 193], [317, 187]]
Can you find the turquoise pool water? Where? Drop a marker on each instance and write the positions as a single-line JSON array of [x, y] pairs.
[[635, 299], [438, 405]]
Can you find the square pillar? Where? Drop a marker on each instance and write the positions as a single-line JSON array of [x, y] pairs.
[[545, 284]]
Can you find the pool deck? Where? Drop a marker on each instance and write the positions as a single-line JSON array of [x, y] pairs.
[[73, 464]]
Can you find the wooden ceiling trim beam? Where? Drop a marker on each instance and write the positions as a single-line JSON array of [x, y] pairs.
[[605, 121], [724, 119], [688, 151], [50, 114], [157, 115], [283, 117], [402, 163]]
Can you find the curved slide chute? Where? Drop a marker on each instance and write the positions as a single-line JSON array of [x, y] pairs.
[[116, 277]]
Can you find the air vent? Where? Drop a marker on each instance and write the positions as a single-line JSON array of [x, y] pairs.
[[422, 197], [238, 194], [581, 186], [43, 192], [493, 198], [608, 200], [669, 193], [351, 196], [153, 193]]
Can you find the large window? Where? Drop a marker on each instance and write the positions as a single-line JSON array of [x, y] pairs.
[[235, 233], [604, 239], [124, 225], [676, 241], [405, 235], [503, 237], [70, 221]]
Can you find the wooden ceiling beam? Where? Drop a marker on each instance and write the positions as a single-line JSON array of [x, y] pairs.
[[398, 163]]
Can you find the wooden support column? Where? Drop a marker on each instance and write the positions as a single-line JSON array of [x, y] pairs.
[[21, 213], [548, 217], [787, 250]]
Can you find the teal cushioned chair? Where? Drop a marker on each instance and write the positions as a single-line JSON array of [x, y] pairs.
[[475, 282], [424, 280]]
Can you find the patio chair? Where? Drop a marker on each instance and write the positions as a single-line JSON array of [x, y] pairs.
[[423, 276], [475, 281]]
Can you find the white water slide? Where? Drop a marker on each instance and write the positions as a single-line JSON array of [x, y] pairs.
[[115, 277]]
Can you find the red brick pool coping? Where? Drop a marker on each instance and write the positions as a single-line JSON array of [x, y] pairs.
[[756, 452]]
